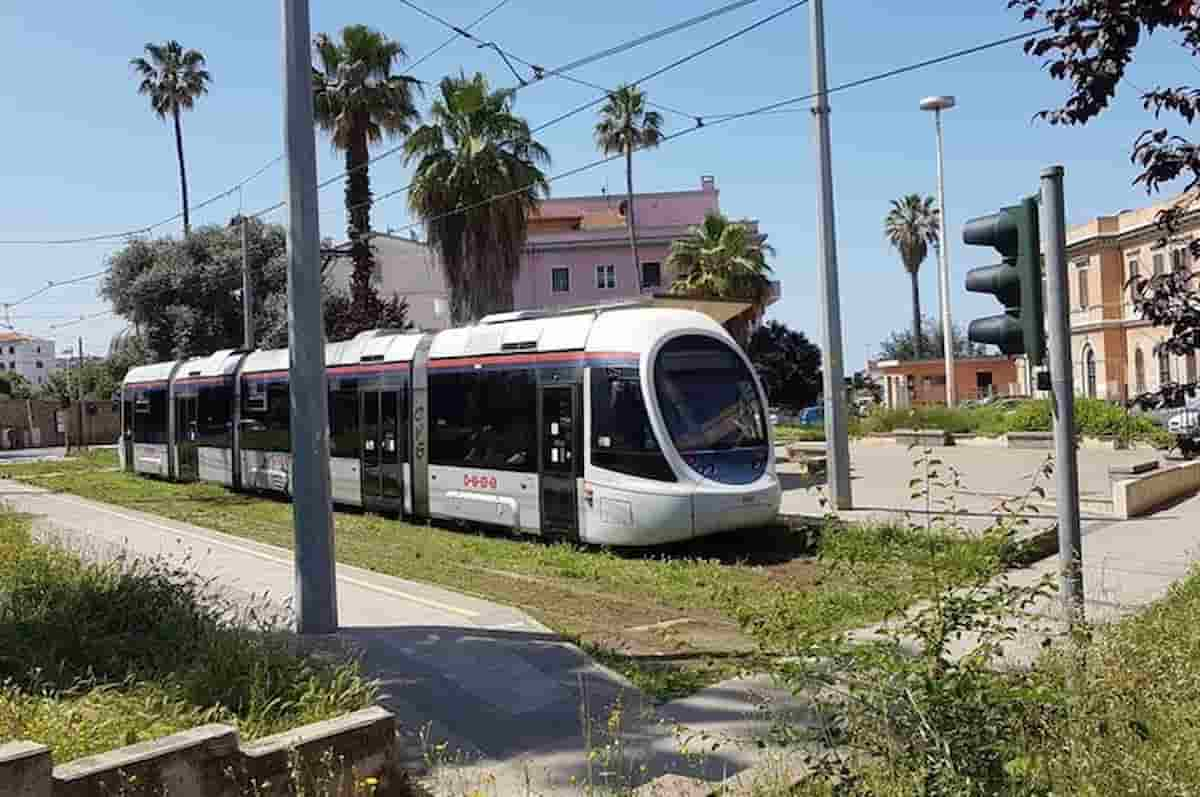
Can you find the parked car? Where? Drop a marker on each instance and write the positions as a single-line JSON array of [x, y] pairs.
[[812, 416]]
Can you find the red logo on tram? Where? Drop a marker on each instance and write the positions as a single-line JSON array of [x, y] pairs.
[[480, 482]]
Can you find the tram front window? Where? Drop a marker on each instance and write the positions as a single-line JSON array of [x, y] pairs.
[[710, 404]]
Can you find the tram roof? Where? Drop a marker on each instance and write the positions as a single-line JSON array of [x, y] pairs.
[[155, 372], [216, 364]]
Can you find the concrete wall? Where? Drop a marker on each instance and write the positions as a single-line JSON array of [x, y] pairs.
[[25, 423], [326, 757], [1143, 495]]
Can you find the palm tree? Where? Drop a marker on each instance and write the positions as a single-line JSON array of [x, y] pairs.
[[358, 101], [173, 78], [723, 259], [478, 178], [625, 125], [911, 226]]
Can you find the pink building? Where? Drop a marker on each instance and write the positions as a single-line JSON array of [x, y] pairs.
[[578, 247], [577, 252]]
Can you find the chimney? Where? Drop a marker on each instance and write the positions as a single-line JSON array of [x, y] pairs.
[[708, 183]]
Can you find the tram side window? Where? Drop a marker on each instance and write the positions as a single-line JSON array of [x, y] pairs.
[[150, 425], [343, 424], [265, 424], [484, 419], [622, 439], [213, 416]]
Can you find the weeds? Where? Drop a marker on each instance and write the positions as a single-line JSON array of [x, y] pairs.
[[99, 654]]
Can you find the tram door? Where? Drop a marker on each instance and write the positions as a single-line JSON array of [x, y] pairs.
[[559, 417], [187, 411], [383, 444]]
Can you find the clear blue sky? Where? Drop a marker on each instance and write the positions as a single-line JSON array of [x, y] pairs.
[[83, 154]]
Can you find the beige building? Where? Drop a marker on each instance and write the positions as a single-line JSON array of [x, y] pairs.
[[409, 269], [1113, 350]]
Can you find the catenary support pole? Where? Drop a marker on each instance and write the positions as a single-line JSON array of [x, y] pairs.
[[312, 506], [247, 291], [1070, 544], [836, 427], [944, 273]]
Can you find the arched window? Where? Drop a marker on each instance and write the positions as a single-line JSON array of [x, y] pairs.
[[1164, 368], [1089, 370], [1139, 372], [1190, 365]]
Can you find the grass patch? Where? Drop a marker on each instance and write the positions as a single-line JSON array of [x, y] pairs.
[[1093, 418], [594, 595], [96, 655]]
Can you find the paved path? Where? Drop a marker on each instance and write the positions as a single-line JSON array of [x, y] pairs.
[[503, 693]]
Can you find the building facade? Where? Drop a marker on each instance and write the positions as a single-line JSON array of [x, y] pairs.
[[1113, 350], [407, 268], [911, 383], [577, 253], [30, 357]]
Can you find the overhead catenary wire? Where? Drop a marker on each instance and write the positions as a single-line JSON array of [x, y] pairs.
[[455, 36], [580, 109], [126, 234]]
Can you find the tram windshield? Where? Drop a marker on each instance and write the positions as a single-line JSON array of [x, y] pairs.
[[707, 396]]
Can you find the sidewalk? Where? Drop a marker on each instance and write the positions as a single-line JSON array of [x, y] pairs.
[[501, 693]]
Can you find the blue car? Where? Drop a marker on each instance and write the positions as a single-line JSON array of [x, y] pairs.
[[812, 416]]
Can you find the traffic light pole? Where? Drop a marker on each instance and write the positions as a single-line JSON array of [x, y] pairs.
[[1066, 467], [837, 446], [312, 502]]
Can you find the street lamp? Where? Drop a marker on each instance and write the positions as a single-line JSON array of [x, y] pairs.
[[937, 105]]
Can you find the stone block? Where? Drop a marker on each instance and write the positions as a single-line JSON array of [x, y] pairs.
[[1040, 441], [193, 763], [1144, 494], [675, 786], [330, 756], [25, 769], [924, 438]]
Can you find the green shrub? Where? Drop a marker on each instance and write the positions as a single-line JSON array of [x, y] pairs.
[[80, 638]]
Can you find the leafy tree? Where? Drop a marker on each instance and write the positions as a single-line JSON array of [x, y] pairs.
[[625, 126], [358, 101], [1090, 47], [478, 178], [788, 364], [96, 379], [727, 260], [184, 297], [13, 385], [904, 346], [911, 226], [173, 78]]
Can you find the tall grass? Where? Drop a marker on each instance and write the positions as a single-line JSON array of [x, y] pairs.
[[97, 654]]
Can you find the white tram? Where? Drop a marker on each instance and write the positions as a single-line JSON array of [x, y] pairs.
[[618, 426]]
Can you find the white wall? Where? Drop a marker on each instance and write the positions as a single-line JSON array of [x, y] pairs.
[[410, 270], [24, 356]]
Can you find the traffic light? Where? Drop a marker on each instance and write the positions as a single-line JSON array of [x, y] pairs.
[[1016, 282]]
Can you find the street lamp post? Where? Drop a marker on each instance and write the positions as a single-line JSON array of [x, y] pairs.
[[937, 105]]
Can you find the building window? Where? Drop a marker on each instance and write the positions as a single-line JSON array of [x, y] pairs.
[[606, 277], [560, 280], [1139, 372], [651, 275], [1089, 366], [1164, 368], [1083, 290], [1190, 365], [40, 365], [1133, 270], [1159, 264], [1, 366], [39, 349], [1179, 260], [12, 366]]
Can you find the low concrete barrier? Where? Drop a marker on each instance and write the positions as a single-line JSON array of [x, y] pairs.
[[928, 438], [1141, 496], [335, 757], [1041, 441]]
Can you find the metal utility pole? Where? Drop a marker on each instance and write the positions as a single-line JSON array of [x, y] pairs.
[[1070, 543], [247, 296], [312, 502], [79, 397], [837, 444], [937, 105]]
